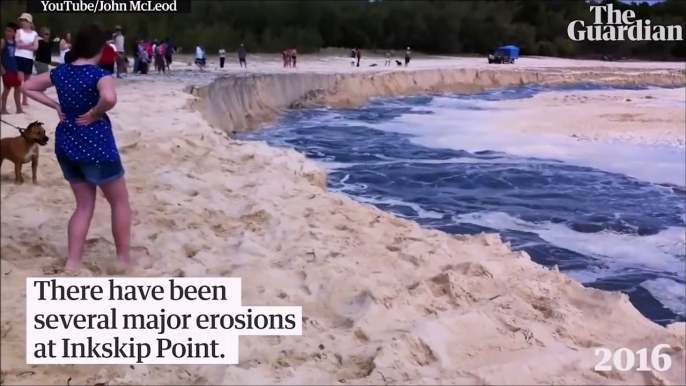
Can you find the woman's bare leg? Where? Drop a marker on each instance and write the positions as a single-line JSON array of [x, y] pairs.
[[118, 197], [80, 222]]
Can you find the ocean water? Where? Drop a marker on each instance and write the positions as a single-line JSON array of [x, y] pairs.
[[611, 215]]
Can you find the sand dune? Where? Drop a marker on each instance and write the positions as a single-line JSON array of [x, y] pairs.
[[386, 302]]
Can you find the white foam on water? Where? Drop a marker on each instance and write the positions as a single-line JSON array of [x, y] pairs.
[[670, 293], [463, 129], [422, 213], [657, 253]]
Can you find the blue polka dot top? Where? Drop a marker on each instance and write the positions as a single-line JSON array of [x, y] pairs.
[[77, 91]]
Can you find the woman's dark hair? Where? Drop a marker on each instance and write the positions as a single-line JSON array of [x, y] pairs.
[[12, 25], [87, 43]]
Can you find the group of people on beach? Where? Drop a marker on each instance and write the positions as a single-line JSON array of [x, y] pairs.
[[290, 57], [408, 56], [201, 59], [242, 56], [158, 53], [23, 50], [356, 57], [85, 146]]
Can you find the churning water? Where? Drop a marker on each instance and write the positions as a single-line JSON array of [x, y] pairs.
[[615, 223]]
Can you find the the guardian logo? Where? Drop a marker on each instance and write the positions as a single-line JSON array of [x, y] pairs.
[[620, 26]]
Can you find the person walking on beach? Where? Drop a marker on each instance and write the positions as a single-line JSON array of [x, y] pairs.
[[119, 41], [143, 58], [108, 57], [294, 57], [168, 52], [222, 57], [44, 51], [200, 57], [387, 63], [65, 45], [160, 64], [286, 58], [27, 44], [408, 54], [359, 56], [135, 51], [241, 56], [11, 77], [353, 55], [85, 146]]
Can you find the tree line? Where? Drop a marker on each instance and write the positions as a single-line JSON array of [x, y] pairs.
[[538, 27]]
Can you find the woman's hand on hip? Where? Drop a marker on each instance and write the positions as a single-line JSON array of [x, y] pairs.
[[60, 114], [90, 117]]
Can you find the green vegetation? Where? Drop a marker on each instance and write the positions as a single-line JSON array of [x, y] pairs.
[[538, 27]]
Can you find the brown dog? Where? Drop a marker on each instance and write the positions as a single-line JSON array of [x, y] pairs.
[[24, 149]]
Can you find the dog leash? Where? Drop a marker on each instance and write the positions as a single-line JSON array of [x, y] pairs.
[[11, 125]]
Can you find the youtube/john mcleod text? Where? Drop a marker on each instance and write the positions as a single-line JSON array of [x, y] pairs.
[[108, 6]]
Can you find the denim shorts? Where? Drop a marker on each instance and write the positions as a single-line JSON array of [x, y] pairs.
[[91, 173], [24, 65]]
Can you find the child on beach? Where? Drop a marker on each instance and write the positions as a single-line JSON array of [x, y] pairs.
[[11, 77], [84, 143], [143, 60]]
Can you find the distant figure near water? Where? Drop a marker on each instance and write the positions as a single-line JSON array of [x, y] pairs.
[[168, 52], [359, 56], [353, 55], [200, 57], [407, 56], [241, 56], [222, 57], [286, 58]]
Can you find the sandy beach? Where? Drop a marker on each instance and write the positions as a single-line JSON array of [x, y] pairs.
[[385, 301], [645, 116]]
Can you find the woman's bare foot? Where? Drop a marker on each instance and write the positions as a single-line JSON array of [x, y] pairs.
[[126, 262], [72, 265], [20, 110], [4, 112]]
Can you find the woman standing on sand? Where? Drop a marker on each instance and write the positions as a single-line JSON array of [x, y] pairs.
[[44, 52], [84, 143], [27, 44]]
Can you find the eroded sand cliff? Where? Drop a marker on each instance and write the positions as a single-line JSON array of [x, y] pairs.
[[242, 101]]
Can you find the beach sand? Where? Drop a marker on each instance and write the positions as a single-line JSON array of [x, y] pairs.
[[385, 301], [642, 116]]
